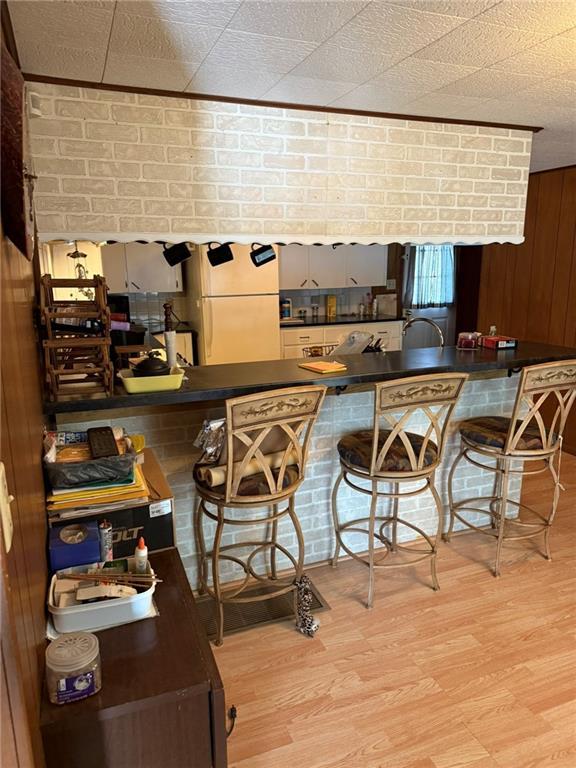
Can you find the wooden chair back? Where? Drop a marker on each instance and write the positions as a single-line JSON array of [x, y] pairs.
[[545, 395], [426, 400], [279, 422]]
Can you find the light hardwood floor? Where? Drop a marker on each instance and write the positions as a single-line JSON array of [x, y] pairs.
[[481, 674]]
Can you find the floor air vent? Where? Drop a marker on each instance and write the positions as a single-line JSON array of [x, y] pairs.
[[241, 616]]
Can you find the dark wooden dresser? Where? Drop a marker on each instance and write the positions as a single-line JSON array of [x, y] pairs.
[[162, 699]]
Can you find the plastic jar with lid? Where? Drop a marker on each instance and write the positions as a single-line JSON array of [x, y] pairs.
[[73, 667]]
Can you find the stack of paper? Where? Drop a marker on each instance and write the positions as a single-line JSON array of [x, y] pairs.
[[98, 498]]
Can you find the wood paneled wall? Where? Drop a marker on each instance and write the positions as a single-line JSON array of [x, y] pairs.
[[24, 572], [529, 290]]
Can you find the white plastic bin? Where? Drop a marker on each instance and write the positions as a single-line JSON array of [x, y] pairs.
[[93, 616]]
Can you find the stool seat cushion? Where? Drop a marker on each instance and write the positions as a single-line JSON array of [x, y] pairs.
[[253, 485], [355, 449], [492, 431]]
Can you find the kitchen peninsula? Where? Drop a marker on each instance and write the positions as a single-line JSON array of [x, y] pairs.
[[171, 421], [217, 382]]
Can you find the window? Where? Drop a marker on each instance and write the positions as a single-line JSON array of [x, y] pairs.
[[430, 279]]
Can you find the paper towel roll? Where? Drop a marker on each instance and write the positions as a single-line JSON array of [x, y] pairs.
[[170, 344], [214, 476]]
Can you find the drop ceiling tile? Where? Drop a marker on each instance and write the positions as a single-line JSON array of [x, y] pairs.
[[144, 72], [216, 13], [552, 92], [425, 75], [478, 45], [258, 52], [307, 90], [550, 154], [331, 62], [549, 16], [381, 27], [77, 33], [313, 21], [59, 61], [231, 81], [158, 39], [443, 105], [547, 59], [463, 8], [375, 98], [489, 84]]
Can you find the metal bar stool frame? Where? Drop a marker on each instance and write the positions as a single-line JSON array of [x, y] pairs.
[[537, 384], [395, 403], [288, 414]]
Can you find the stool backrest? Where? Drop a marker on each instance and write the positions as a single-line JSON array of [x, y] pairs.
[[278, 422], [421, 404], [545, 395]]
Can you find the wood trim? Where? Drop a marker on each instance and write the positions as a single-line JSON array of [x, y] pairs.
[[8, 33], [527, 290], [30, 77]]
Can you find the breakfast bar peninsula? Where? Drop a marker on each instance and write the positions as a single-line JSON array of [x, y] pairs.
[[171, 421]]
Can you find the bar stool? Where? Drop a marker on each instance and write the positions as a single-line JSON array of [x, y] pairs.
[[389, 453], [544, 398], [267, 438]]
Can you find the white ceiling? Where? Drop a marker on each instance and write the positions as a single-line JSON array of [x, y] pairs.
[[511, 61]]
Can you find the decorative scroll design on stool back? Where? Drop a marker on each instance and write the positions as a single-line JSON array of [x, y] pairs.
[[430, 400], [539, 385], [278, 422]]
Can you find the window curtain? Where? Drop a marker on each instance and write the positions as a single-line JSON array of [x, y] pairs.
[[430, 278]]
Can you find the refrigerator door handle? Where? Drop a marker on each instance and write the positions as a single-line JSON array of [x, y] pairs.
[[210, 330]]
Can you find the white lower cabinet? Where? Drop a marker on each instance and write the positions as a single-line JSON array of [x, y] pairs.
[[295, 340]]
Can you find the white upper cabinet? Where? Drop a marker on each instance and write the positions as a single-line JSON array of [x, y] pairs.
[[322, 266], [139, 268], [366, 265], [114, 267], [294, 273], [327, 266]]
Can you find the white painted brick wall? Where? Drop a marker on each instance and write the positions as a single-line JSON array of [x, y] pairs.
[[172, 430], [234, 168]]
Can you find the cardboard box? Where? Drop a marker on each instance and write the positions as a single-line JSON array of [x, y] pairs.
[[153, 520]]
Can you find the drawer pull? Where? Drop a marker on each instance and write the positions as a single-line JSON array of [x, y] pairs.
[[354, 281], [303, 338], [315, 283], [303, 284]]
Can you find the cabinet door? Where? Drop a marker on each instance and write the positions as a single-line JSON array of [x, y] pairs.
[[327, 266], [293, 351], [148, 270], [114, 267], [390, 334], [294, 267], [366, 265]]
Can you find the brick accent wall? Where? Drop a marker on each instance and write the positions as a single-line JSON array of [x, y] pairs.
[[171, 431], [123, 166]]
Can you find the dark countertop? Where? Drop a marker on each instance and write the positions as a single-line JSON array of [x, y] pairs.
[[340, 320], [217, 382]]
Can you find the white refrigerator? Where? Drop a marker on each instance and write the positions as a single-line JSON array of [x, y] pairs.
[[234, 307]]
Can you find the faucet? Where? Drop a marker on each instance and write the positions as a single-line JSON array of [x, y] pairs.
[[412, 320]]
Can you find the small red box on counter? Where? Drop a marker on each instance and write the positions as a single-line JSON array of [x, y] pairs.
[[498, 342]]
